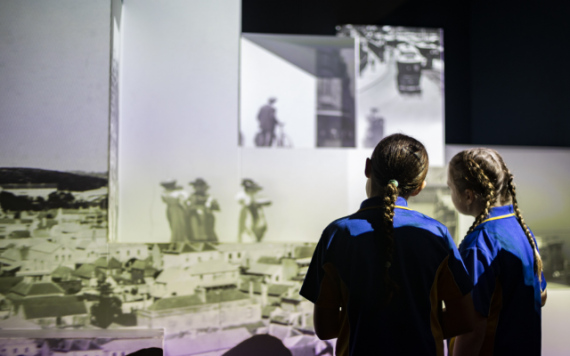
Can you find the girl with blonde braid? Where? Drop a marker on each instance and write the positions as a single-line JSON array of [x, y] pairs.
[[378, 276], [502, 257]]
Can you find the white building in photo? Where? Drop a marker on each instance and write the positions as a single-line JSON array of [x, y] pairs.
[[215, 273], [203, 310], [125, 252], [270, 273], [174, 282], [48, 256], [184, 255]]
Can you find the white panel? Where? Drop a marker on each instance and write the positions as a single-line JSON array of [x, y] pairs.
[[54, 84], [179, 106], [555, 316], [264, 75]]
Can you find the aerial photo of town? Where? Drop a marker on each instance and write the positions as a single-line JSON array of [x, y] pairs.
[[58, 272]]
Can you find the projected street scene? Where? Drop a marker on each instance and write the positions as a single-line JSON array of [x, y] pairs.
[[296, 91], [399, 84]]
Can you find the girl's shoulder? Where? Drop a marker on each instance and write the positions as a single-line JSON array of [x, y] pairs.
[[481, 240], [416, 219]]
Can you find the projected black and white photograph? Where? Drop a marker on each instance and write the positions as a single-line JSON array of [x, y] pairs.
[[296, 91], [54, 145], [399, 85], [207, 297], [46, 343]]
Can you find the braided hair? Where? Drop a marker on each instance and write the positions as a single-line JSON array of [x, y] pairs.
[[399, 167], [484, 171], [513, 193]]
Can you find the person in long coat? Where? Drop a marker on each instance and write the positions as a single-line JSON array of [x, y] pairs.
[[200, 208], [267, 123], [252, 223], [174, 197]]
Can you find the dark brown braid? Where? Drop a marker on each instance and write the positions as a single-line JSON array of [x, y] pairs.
[[403, 159], [390, 196], [484, 171]]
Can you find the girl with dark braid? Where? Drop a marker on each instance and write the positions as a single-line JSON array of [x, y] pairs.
[[378, 277], [502, 257]]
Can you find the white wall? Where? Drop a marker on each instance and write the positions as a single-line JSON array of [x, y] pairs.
[[54, 84], [178, 90], [555, 323], [179, 117]]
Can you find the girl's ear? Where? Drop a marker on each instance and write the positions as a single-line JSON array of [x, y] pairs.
[[469, 196]]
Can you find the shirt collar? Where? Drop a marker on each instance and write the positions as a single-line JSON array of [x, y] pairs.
[[500, 210], [378, 201]]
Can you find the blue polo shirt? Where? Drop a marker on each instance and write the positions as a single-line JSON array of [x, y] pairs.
[[346, 271], [500, 261]]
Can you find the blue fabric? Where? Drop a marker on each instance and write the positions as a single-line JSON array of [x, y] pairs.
[[498, 252], [421, 246]]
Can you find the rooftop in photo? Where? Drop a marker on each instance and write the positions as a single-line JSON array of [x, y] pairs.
[[51, 307], [228, 295], [263, 269], [35, 289], [212, 266]]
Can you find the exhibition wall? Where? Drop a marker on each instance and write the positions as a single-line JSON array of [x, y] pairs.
[[145, 116]]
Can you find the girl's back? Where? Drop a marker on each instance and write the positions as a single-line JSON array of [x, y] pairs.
[[426, 267], [501, 256], [378, 277], [507, 291]]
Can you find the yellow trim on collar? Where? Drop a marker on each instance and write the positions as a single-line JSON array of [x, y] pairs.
[[498, 217], [376, 207], [403, 207]]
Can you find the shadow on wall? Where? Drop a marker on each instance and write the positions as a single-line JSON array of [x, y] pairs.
[[258, 345], [151, 351]]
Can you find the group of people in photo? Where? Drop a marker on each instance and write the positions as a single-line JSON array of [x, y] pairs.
[[191, 215]]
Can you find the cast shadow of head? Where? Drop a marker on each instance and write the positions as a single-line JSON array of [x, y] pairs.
[[151, 351], [259, 345]]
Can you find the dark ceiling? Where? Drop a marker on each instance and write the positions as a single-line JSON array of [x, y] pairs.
[[507, 69]]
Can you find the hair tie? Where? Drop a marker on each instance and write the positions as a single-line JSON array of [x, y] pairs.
[[393, 181]]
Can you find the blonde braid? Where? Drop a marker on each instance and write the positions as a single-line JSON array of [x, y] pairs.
[[513, 191], [488, 188], [390, 196]]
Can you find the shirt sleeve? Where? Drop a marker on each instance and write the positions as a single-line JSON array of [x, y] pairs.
[[483, 275], [330, 295], [453, 279], [321, 281]]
